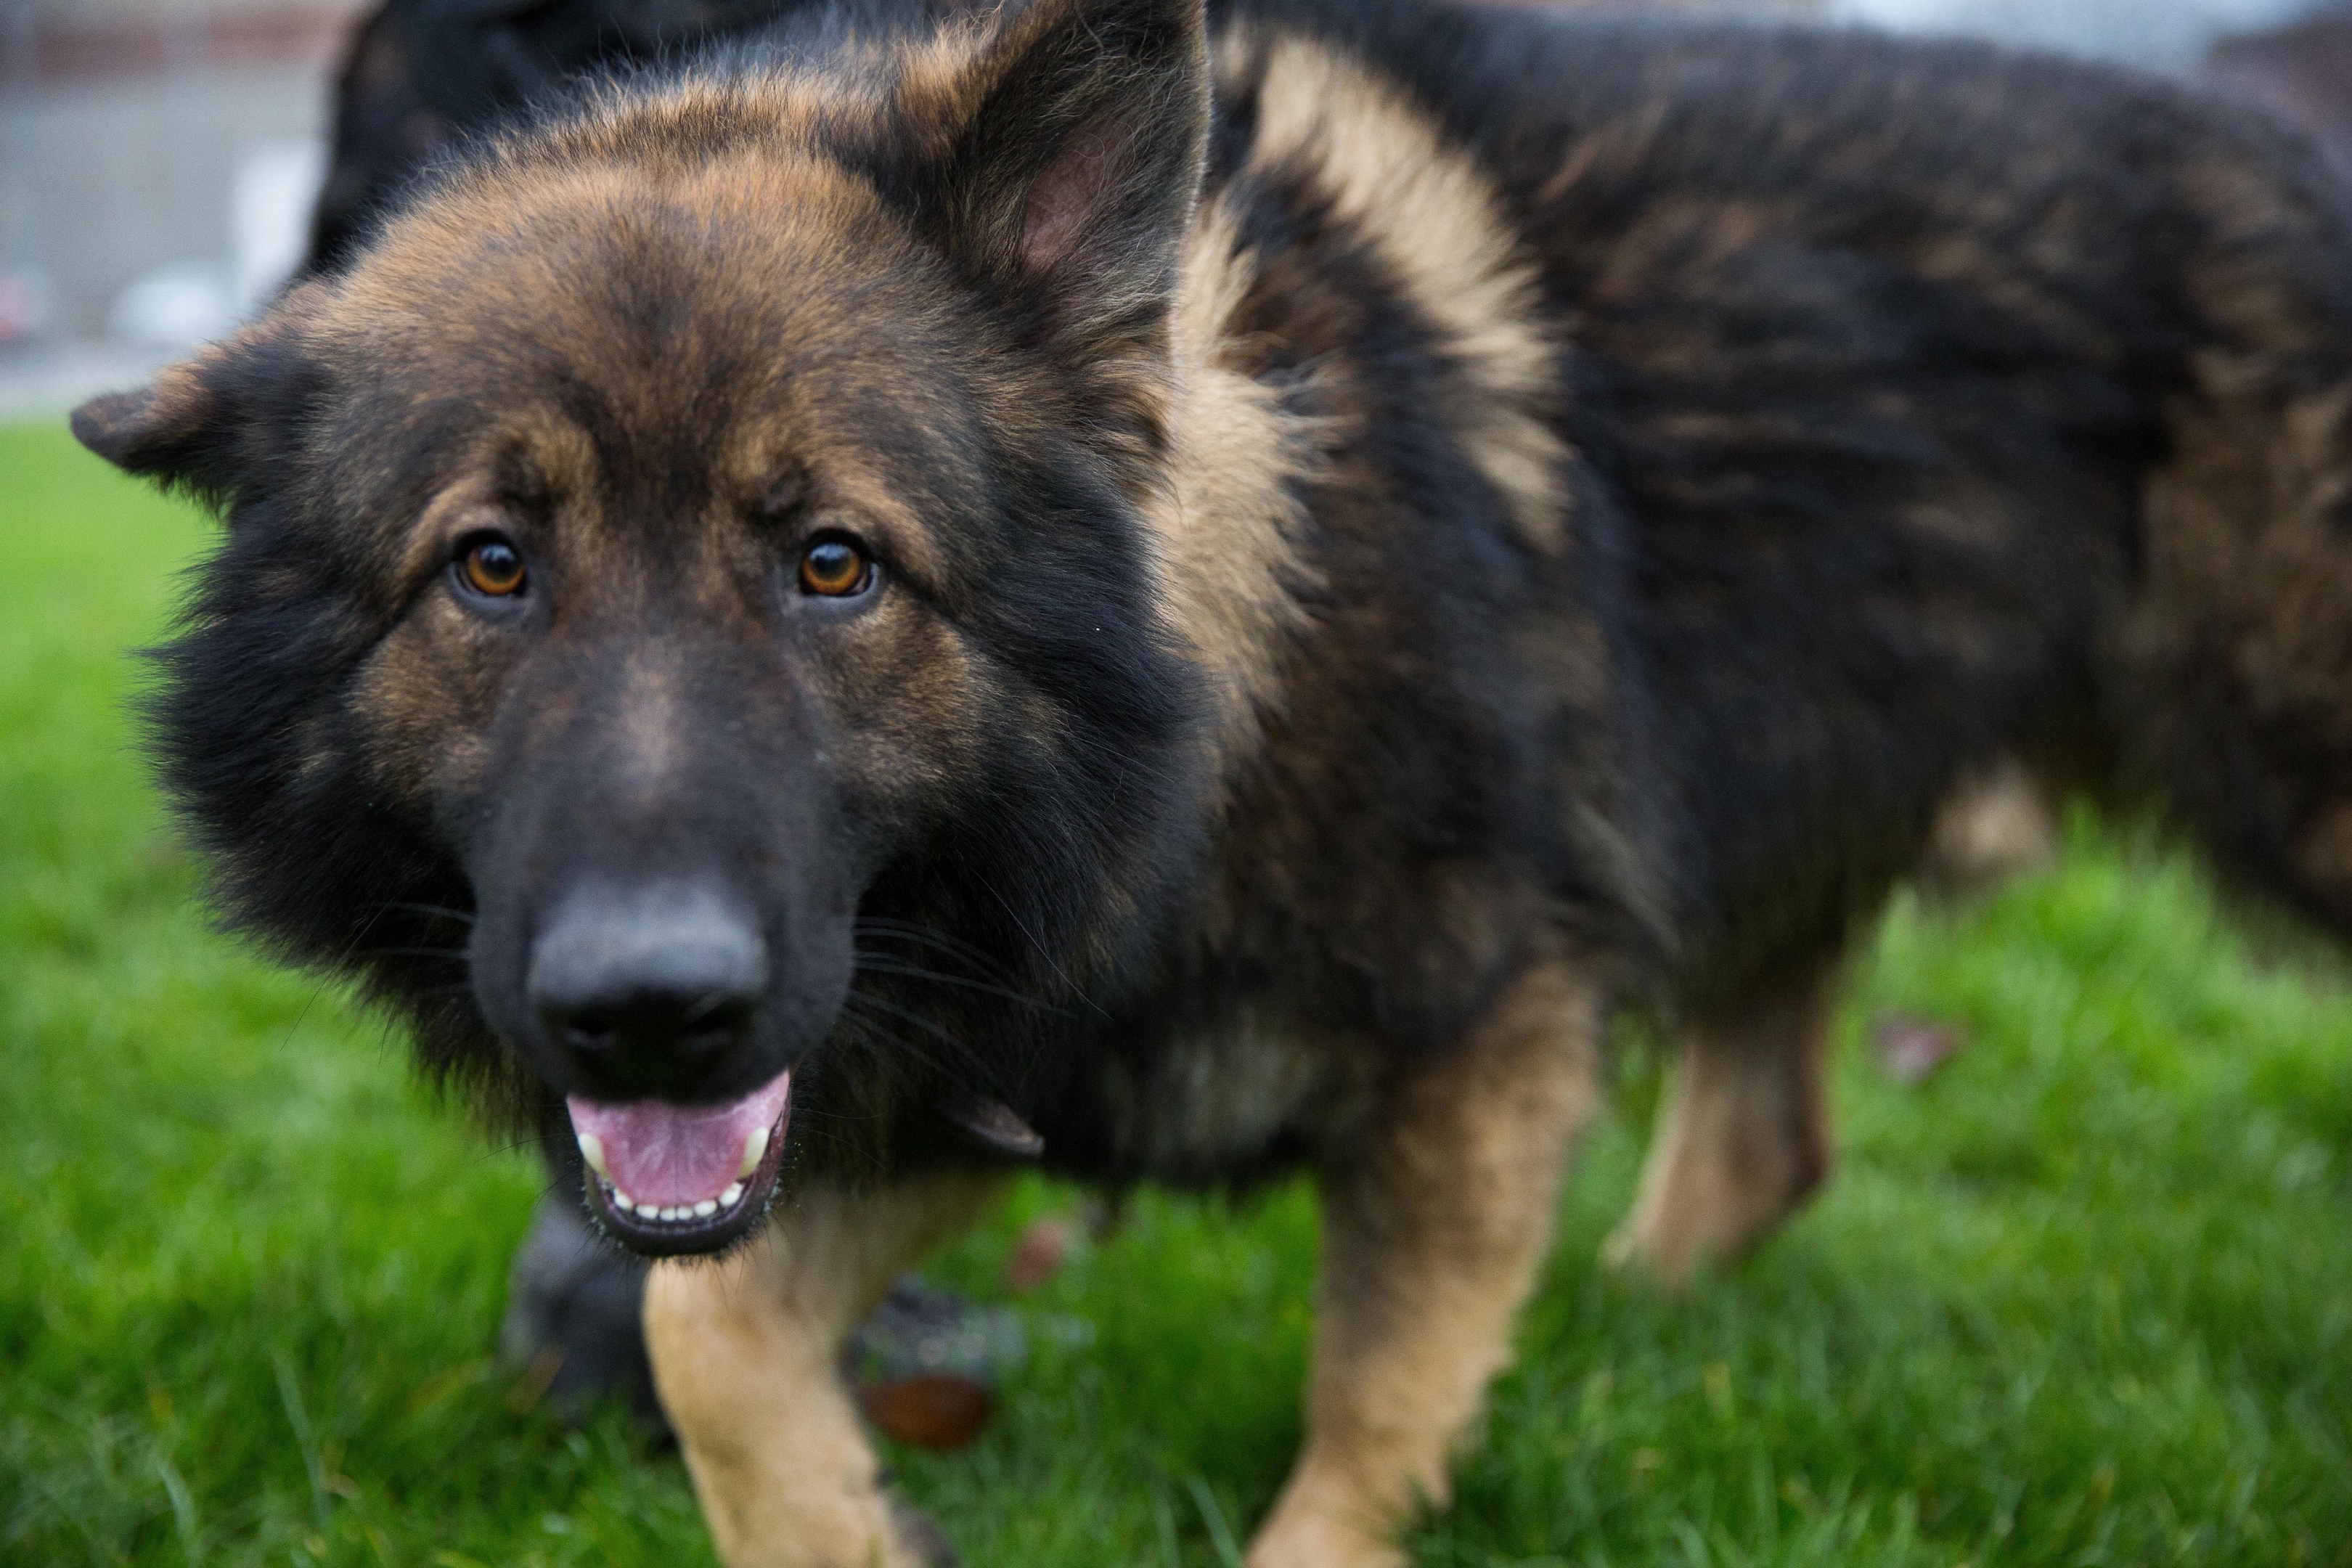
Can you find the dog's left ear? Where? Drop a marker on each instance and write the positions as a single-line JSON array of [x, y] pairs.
[[1070, 162]]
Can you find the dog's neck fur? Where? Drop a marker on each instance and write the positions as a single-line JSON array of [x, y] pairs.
[[1232, 522], [1229, 520]]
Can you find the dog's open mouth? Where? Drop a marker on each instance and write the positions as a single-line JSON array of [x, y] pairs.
[[668, 1179]]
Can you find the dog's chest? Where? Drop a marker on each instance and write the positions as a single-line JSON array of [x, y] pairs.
[[1217, 1102]]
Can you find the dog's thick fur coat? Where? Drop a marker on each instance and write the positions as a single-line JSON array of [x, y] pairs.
[[1400, 528]]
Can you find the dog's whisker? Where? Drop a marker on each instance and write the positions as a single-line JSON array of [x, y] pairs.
[[961, 1056], [873, 964], [905, 1015], [938, 941], [441, 911], [703, 1007]]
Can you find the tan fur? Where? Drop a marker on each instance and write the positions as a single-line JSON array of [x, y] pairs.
[[943, 80], [745, 1352], [1742, 1139], [1434, 218], [1434, 1227], [425, 700], [440, 246], [1227, 522]]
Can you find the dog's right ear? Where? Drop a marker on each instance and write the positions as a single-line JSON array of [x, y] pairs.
[[206, 424], [158, 429]]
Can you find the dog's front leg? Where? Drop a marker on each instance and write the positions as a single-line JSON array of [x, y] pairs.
[[1436, 1219], [746, 1358]]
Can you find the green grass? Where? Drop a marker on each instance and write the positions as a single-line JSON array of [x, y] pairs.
[[2085, 1298]]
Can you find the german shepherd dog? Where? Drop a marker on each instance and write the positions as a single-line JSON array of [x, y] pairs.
[[1213, 592]]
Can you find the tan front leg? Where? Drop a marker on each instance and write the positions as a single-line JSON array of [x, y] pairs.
[[746, 1359], [1742, 1139], [1434, 1226]]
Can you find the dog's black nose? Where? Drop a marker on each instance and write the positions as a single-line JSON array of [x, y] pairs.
[[644, 989]]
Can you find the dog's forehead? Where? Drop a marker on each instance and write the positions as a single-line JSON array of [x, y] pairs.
[[725, 323], [744, 271]]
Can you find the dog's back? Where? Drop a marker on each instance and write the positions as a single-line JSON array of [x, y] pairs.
[[1944, 398]]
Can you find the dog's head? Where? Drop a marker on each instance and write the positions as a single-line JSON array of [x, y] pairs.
[[686, 581]]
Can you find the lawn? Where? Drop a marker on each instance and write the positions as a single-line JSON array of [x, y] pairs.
[[2084, 1297]]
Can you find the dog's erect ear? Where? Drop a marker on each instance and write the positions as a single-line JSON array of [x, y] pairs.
[[1071, 160], [203, 422]]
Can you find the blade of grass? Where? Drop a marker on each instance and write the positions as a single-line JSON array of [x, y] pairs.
[[184, 1509], [1212, 1518], [305, 1439]]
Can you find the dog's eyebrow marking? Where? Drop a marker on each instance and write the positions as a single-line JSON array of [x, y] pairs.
[[425, 549]]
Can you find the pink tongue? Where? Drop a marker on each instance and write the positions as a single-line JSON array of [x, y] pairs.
[[671, 1156]]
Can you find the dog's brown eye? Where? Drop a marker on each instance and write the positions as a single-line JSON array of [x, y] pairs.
[[835, 568], [492, 566]]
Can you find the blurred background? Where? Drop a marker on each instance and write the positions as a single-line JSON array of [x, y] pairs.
[[159, 159]]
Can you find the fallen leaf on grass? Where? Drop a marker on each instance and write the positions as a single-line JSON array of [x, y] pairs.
[[1911, 1048], [1039, 1254], [940, 1411]]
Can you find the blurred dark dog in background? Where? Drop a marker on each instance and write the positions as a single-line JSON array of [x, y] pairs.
[[422, 75]]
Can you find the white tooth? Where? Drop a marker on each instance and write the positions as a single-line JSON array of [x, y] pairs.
[[705, 1209], [673, 1214], [623, 1201], [733, 1195], [753, 1147], [649, 1211], [592, 1149]]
